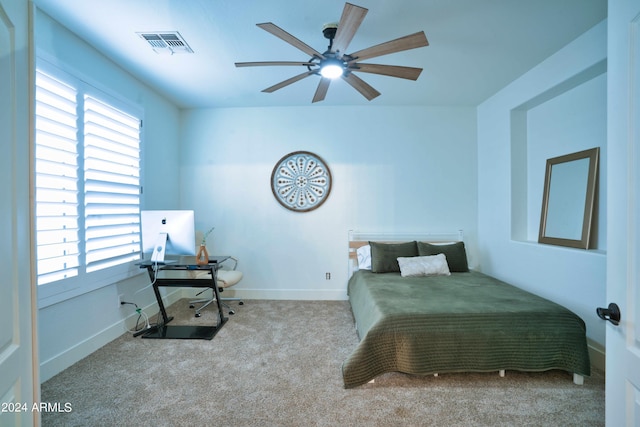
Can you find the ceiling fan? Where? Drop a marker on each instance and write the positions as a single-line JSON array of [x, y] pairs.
[[334, 62]]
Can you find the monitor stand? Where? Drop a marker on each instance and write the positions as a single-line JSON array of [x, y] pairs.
[[160, 247]]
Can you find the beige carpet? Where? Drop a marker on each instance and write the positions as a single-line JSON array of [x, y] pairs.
[[277, 363]]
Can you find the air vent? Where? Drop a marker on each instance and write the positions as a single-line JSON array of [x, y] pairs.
[[166, 42]]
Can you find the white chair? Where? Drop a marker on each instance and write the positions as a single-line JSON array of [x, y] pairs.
[[226, 279]]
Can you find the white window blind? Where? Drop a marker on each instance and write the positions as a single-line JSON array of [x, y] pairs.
[[112, 185], [56, 164], [87, 170]]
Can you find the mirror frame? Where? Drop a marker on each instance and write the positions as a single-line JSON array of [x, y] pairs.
[[593, 155]]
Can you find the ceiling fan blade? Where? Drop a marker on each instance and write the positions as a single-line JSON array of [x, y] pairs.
[[361, 86], [288, 82], [268, 63], [352, 17], [282, 34], [409, 73], [398, 45], [321, 91]]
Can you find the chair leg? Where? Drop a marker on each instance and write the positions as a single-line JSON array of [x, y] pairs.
[[204, 302], [231, 311], [208, 301]]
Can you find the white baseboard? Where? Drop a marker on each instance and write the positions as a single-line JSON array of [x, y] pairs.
[[53, 366], [276, 294], [597, 354], [290, 294]]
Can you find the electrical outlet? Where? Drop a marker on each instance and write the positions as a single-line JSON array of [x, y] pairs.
[[120, 300], [328, 276]]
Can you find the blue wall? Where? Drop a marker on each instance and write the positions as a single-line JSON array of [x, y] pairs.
[[79, 323], [564, 99], [394, 169]]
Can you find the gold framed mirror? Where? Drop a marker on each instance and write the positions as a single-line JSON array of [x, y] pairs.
[[568, 202]]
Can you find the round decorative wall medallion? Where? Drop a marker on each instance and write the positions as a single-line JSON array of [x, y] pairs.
[[301, 181]]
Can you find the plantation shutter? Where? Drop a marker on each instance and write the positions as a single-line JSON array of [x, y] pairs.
[[56, 165], [112, 185]]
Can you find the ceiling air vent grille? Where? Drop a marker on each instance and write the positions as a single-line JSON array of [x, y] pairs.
[[166, 42]]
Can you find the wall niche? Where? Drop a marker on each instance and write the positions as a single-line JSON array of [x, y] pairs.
[[567, 118]]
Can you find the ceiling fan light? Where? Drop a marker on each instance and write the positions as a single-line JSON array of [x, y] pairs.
[[331, 70]]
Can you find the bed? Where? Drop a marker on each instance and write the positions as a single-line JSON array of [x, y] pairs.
[[463, 321]]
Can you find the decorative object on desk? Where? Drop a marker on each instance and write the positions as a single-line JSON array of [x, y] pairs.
[[202, 257], [204, 237], [301, 181]]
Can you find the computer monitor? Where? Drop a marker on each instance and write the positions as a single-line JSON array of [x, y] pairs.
[[167, 232]]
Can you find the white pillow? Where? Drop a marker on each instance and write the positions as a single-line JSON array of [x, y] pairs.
[[364, 257], [433, 265]]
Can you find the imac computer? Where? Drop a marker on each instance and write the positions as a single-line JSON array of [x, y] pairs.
[[167, 232]]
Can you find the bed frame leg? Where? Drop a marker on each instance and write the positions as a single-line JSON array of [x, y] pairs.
[[578, 379], [501, 373]]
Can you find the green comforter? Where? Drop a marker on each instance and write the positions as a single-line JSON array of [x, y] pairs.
[[465, 322]]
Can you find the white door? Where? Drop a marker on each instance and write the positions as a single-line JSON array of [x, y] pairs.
[[18, 363], [623, 230]]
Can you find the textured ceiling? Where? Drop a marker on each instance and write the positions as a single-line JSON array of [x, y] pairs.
[[476, 46]]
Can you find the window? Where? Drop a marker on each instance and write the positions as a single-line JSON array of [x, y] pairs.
[[111, 185], [87, 179], [56, 165]]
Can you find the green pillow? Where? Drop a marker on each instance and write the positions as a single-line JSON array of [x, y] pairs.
[[384, 256], [455, 253]]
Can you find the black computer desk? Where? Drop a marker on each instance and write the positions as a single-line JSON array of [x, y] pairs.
[[164, 331]]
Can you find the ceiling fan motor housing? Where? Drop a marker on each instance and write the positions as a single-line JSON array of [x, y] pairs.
[[329, 30]]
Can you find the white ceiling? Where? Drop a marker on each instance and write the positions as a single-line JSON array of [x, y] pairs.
[[476, 46]]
